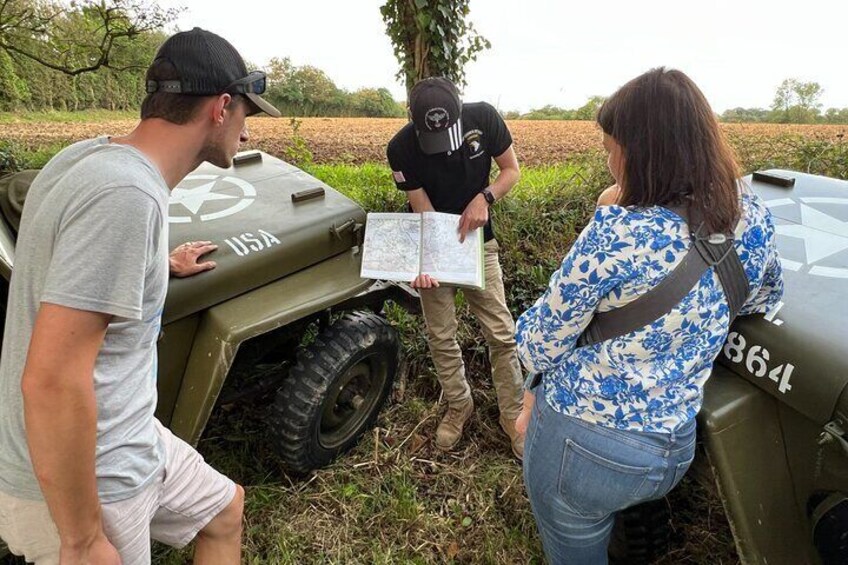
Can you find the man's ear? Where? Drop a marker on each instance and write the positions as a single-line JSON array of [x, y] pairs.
[[221, 104]]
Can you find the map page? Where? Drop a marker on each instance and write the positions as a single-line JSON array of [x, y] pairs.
[[399, 247], [447, 260], [392, 247]]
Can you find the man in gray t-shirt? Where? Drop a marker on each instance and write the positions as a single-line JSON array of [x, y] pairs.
[[86, 472]]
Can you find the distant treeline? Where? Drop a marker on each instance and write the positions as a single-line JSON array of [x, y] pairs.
[[308, 91], [28, 85], [55, 31], [794, 115], [585, 112], [795, 102], [296, 91]]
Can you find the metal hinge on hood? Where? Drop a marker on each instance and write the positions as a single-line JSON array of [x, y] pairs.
[[350, 224], [834, 431]]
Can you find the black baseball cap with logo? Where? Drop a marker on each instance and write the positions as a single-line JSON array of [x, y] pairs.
[[436, 111], [205, 64]]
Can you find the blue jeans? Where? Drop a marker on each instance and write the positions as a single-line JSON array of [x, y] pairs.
[[578, 475]]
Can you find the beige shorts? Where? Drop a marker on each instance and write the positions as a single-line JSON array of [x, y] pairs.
[[185, 496]]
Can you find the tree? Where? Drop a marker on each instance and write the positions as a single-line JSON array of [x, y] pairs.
[[796, 102], [376, 103], [13, 89], [432, 38], [308, 91], [739, 115], [808, 94], [783, 97], [76, 37], [836, 116], [589, 110], [549, 112]]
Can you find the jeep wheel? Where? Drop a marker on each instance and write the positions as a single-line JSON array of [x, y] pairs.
[[335, 390], [641, 533]]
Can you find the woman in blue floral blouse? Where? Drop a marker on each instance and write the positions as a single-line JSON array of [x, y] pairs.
[[613, 424]]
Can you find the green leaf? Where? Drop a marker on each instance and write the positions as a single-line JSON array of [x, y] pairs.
[[466, 521], [420, 4]]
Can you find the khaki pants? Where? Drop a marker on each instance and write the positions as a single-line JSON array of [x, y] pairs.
[[489, 307]]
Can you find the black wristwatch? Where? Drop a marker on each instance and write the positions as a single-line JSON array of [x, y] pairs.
[[487, 194]]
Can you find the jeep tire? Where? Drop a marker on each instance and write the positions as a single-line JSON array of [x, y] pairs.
[[641, 533], [335, 390]]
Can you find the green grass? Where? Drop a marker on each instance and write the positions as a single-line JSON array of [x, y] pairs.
[[85, 116], [15, 155]]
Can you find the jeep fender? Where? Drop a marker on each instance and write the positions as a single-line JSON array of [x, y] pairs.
[[334, 283]]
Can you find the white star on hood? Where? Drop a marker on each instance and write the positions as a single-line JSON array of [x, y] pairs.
[[193, 198], [828, 237]]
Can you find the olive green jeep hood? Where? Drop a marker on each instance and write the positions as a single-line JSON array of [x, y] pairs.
[[799, 351], [268, 218]]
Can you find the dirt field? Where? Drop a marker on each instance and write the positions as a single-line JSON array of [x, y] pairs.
[[358, 140]]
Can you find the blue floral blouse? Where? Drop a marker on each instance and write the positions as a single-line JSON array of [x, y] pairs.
[[651, 379]]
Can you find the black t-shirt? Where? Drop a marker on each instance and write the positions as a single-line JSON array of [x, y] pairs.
[[452, 180]]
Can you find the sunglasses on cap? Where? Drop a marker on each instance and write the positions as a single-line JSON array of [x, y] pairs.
[[254, 83]]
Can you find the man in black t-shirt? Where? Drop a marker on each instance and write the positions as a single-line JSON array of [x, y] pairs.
[[442, 160]]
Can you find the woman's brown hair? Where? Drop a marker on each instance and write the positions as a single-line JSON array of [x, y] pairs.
[[674, 152]]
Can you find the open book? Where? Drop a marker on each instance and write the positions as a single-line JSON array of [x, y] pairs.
[[399, 247]]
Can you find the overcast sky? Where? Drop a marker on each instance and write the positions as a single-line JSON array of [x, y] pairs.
[[561, 52]]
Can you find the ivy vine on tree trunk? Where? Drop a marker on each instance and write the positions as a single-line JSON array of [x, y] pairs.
[[432, 38]]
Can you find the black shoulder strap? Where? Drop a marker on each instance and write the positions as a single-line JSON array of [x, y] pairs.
[[716, 251]]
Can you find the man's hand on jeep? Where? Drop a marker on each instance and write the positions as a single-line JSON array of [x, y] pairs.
[[475, 215], [425, 281], [184, 260]]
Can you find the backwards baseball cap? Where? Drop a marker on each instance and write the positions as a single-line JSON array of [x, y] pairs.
[[205, 64], [436, 108]]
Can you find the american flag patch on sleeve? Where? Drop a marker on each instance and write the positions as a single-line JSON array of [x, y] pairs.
[[398, 176]]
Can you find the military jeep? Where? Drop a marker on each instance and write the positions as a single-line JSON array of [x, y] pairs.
[[774, 423], [288, 260], [775, 415]]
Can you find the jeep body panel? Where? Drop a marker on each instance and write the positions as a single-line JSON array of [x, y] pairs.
[[809, 330], [741, 427], [223, 328], [264, 228], [762, 430], [7, 251]]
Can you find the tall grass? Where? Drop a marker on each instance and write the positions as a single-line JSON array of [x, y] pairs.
[[820, 155]]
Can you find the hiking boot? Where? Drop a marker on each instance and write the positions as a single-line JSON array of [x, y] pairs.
[[450, 428], [516, 440]]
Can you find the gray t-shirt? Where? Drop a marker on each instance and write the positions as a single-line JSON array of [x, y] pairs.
[[93, 237]]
